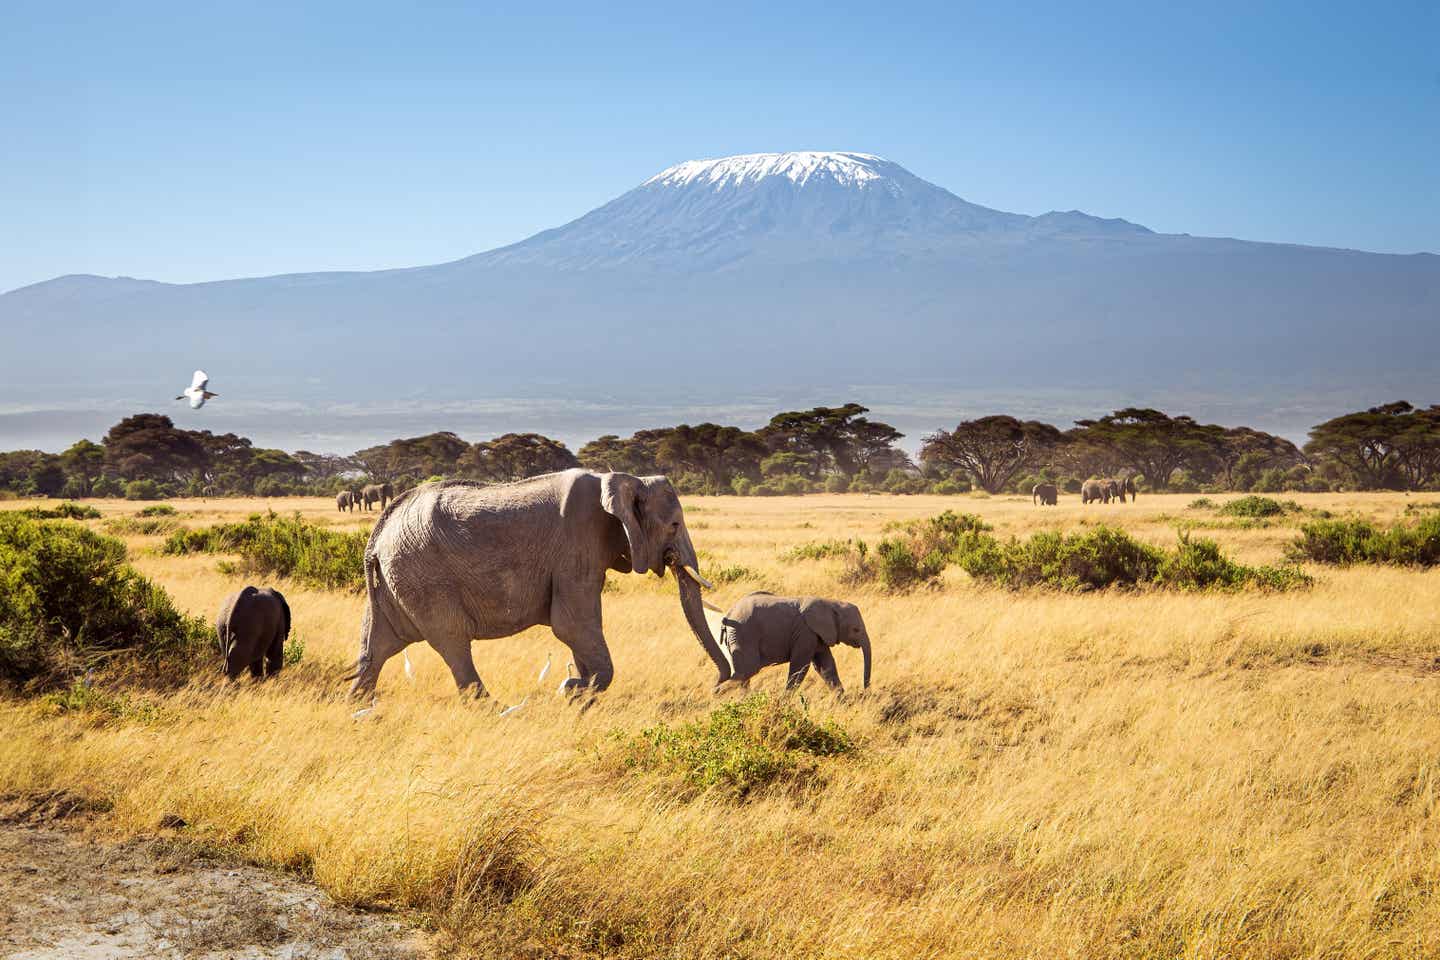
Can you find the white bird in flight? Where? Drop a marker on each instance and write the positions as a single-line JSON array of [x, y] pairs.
[[196, 392]]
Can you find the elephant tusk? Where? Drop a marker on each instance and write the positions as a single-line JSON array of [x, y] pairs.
[[710, 606], [695, 575]]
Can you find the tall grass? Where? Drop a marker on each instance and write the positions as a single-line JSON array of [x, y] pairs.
[[1038, 773]]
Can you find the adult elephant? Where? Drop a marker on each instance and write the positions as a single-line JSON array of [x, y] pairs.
[[252, 626], [1092, 490], [1045, 493], [345, 500], [457, 561], [372, 493], [1114, 490]]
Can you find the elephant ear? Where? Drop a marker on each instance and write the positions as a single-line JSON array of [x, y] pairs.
[[620, 497], [820, 617]]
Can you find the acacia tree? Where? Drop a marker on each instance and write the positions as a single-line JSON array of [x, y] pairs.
[[718, 453], [515, 456], [1393, 445], [84, 464], [1151, 443], [993, 450], [842, 439], [1242, 454], [149, 445]]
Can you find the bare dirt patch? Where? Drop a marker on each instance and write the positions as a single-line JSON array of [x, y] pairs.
[[69, 895]]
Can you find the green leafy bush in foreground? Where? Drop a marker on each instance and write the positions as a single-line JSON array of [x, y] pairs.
[[739, 748], [70, 603], [1353, 540], [284, 547]]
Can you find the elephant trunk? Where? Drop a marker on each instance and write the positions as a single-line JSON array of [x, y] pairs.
[[865, 650], [695, 616]]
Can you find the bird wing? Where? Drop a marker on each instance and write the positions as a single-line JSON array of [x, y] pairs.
[[199, 381]]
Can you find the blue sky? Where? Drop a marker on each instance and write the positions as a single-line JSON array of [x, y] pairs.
[[197, 141]]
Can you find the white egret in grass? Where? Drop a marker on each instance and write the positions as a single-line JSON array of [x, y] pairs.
[[197, 393]]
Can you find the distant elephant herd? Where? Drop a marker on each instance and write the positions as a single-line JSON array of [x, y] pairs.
[[1091, 491], [459, 560], [365, 498]]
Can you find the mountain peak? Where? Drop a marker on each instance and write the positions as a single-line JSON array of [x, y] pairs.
[[799, 167]]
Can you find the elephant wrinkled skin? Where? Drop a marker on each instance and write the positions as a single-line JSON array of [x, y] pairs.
[[457, 561]]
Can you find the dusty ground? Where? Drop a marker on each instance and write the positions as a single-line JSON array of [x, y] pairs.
[[70, 894]]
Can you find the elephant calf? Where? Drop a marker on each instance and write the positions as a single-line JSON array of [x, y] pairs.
[[762, 629], [252, 626]]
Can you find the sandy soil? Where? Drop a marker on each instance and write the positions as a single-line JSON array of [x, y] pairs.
[[66, 894]]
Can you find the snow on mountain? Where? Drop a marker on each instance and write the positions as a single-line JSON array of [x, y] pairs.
[[849, 169]]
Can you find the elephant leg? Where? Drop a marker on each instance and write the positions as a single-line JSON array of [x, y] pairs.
[[825, 666], [275, 656], [575, 620], [462, 667], [257, 666], [378, 643]]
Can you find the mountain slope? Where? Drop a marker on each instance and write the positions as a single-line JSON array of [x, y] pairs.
[[760, 273]]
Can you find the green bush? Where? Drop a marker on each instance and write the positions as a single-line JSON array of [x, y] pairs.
[[1199, 565], [65, 511], [157, 510], [819, 551], [1353, 540], [283, 546], [1102, 557], [731, 574], [143, 490], [835, 483], [951, 487], [69, 603], [1256, 507], [1201, 503], [740, 748]]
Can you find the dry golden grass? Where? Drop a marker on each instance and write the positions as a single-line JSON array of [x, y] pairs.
[[1038, 774]]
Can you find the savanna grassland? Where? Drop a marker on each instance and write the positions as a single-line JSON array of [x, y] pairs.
[[1031, 774]]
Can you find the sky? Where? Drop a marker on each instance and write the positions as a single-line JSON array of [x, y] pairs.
[[194, 141]]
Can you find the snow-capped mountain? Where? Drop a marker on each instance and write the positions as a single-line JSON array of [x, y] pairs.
[[785, 208], [746, 274]]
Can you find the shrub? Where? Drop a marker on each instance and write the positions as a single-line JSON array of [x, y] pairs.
[[743, 486], [819, 551], [1201, 503], [1107, 557], [740, 748], [1101, 557], [143, 490], [1199, 565], [1353, 540], [65, 511], [732, 573], [157, 510], [1253, 506], [285, 547], [951, 486], [836, 483], [70, 603]]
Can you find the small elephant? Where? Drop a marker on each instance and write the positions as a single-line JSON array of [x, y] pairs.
[[252, 626], [1045, 493], [1092, 490], [762, 629], [345, 500]]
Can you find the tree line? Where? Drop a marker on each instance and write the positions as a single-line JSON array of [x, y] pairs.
[[836, 449]]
